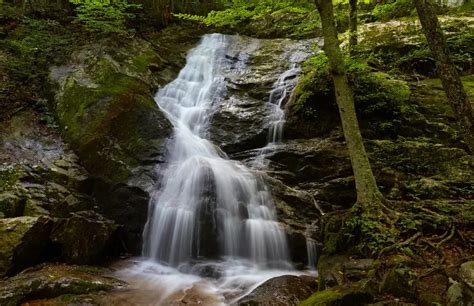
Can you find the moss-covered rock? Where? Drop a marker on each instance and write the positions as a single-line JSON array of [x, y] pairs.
[[379, 100], [23, 242], [11, 205], [49, 281], [85, 237], [339, 296], [107, 112]]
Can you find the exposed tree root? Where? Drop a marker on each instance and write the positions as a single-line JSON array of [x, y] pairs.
[[453, 230], [397, 245]]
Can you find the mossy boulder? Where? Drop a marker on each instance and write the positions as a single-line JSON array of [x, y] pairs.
[[106, 111], [379, 100], [23, 242], [85, 237], [49, 281]]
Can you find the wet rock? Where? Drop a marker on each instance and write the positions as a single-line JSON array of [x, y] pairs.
[[85, 237], [242, 118], [282, 290], [49, 281], [23, 242], [236, 115], [128, 207]]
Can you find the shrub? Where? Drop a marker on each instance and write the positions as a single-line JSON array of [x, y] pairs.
[[106, 16], [394, 9]]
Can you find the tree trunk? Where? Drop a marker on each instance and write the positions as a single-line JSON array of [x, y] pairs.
[[368, 194], [447, 72], [352, 25]]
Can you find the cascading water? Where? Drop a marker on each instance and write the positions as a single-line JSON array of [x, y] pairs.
[[208, 206], [212, 231], [281, 92]]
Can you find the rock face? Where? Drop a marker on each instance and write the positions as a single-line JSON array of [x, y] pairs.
[[242, 119], [85, 237], [50, 281], [23, 242], [282, 290]]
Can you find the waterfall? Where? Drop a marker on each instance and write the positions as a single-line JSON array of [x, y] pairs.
[[209, 207], [311, 249]]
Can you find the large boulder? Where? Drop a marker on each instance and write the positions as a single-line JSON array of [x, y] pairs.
[[105, 107], [23, 242], [85, 237], [282, 290]]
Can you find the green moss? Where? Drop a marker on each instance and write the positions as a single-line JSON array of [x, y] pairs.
[[325, 297], [393, 9], [352, 295], [8, 177]]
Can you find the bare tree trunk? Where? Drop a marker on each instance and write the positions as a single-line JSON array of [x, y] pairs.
[[368, 194], [352, 25], [447, 72]]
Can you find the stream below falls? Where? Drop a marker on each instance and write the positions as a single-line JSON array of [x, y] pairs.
[[212, 234]]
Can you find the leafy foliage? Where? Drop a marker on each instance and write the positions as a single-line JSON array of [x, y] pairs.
[[38, 42], [106, 16], [393, 9], [295, 17]]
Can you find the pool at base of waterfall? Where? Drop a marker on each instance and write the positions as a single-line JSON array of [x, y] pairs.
[[198, 283]]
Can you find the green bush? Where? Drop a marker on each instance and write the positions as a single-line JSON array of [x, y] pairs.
[[394, 9], [36, 44], [104, 16], [265, 18]]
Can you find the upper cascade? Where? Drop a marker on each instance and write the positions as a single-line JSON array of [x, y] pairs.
[[208, 207]]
